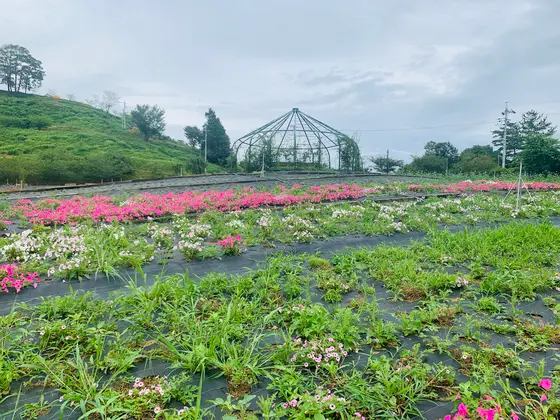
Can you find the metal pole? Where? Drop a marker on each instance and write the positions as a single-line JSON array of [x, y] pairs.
[[295, 143], [387, 161], [124, 116], [519, 185], [206, 147], [505, 135]]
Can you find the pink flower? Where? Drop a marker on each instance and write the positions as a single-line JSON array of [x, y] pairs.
[[458, 396], [157, 410], [544, 398], [514, 416], [332, 406], [488, 398], [293, 403], [545, 384], [448, 417], [462, 410], [285, 405]]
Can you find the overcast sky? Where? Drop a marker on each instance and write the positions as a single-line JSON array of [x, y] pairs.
[[380, 68]]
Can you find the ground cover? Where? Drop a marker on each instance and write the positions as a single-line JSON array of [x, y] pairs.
[[456, 323], [83, 249]]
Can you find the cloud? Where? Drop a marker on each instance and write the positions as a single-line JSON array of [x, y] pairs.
[[367, 68]]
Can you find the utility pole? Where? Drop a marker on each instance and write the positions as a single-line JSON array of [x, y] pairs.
[[206, 148], [505, 113], [387, 161], [124, 116]]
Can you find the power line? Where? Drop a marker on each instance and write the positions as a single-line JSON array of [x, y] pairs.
[[433, 127]]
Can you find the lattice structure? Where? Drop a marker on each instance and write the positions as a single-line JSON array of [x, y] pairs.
[[294, 140]]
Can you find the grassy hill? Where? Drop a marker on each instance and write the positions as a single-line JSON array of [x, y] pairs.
[[50, 140]]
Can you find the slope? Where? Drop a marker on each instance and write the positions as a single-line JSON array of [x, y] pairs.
[[53, 140]]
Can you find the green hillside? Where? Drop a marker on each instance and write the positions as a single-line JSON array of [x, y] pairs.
[[51, 140]]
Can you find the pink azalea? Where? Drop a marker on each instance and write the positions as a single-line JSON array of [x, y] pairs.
[[544, 398]]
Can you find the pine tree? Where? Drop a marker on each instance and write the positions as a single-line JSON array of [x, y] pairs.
[[218, 141], [514, 141], [533, 122]]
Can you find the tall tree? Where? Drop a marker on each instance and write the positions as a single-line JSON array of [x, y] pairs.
[[150, 120], [477, 159], [385, 164], [443, 150], [514, 141], [350, 155], [218, 140], [428, 163], [194, 135], [109, 100], [533, 122], [541, 154], [19, 70]]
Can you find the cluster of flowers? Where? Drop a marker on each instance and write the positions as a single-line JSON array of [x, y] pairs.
[[316, 352], [399, 227], [63, 245], [161, 235], [333, 283], [153, 389], [482, 186], [22, 247], [12, 278], [232, 245], [324, 401], [236, 224], [354, 212], [192, 240], [462, 282], [103, 208], [301, 229], [488, 409], [3, 222]]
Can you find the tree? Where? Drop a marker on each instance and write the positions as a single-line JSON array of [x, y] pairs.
[[150, 120], [541, 154], [514, 141], [444, 150], [350, 155], [19, 70], [477, 164], [71, 97], [262, 153], [533, 122], [218, 141], [385, 164], [194, 135], [477, 159], [108, 101], [427, 163]]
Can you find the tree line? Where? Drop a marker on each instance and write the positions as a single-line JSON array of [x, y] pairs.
[[531, 139]]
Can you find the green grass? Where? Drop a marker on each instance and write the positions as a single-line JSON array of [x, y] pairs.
[[76, 143]]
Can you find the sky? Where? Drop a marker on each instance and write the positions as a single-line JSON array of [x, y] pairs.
[[398, 73]]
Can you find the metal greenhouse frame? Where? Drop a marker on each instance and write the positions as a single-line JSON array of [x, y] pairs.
[[295, 138]]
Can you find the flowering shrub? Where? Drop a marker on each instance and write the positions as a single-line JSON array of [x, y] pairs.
[[3, 222], [317, 353], [488, 408], [323, 403], [232, 245], [301, 229], [12, 278]]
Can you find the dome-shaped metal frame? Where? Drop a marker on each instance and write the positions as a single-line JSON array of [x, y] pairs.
[[297, 139]]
